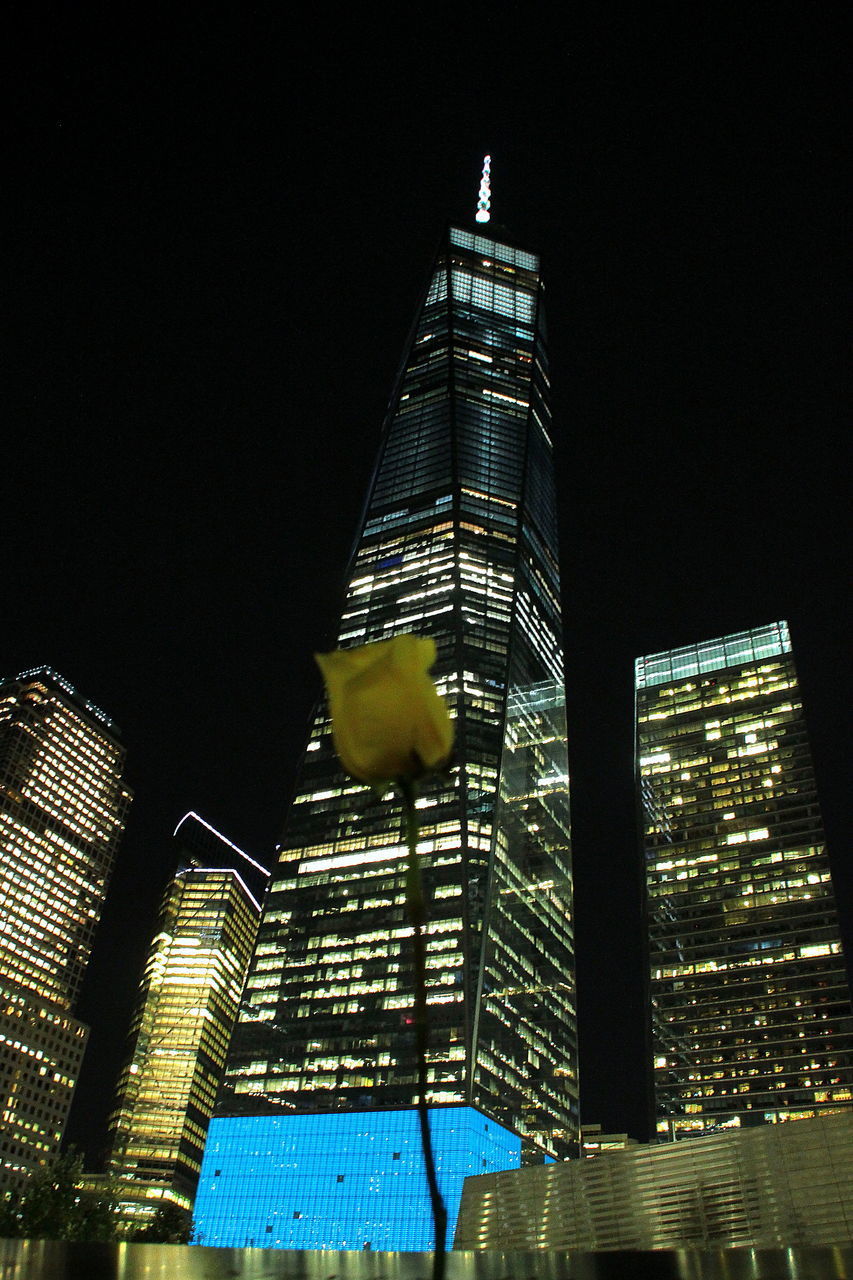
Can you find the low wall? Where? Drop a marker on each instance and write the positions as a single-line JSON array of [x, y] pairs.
[[57, 1260]]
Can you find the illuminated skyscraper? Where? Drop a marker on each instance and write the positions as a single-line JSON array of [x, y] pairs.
[[63, 807], [458, 541], [188, 1000], [751, 1019]]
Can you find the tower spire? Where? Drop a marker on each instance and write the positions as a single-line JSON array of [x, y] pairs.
[[484, 201]]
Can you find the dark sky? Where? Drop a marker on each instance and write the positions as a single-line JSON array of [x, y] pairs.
[[218, 226]]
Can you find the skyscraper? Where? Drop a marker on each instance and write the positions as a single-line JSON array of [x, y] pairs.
[[63, 806], [188, 999], [458, 541], [751, 1019]]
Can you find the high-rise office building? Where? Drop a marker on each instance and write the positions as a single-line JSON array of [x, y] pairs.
[[751, 1019], [188, 1000], [63, 806], [315, 1143]]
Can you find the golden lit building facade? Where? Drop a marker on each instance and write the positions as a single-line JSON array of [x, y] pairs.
[[63, 808], [750, 1004], [188, 1000]]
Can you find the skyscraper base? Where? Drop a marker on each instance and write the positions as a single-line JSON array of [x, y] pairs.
[[340, 1180]]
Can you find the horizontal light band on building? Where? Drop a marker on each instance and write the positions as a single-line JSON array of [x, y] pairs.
[[769, 641], [740, 837], [494, 249], [766, 957], [499, 395], [389, 853]]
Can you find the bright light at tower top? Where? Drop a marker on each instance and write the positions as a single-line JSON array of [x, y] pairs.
[[484, 201]]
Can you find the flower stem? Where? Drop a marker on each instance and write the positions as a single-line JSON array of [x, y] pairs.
[[417, 916]]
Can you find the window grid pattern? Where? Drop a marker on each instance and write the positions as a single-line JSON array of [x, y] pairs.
[[744, 646], [750, 1003], [63, 807], [342, 1181], [41, 1050], [188, 1000], [458, 543]]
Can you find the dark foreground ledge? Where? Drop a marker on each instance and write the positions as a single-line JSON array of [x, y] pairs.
[[58, 1260]]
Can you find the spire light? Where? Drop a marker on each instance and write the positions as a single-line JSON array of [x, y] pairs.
[[484, 201]]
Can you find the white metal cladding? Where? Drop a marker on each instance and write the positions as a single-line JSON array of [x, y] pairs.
[[774, 1185]]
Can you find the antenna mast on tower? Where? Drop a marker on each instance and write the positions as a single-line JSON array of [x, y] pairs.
[[485, 199]]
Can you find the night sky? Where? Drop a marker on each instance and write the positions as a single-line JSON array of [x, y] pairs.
[[217, 229]]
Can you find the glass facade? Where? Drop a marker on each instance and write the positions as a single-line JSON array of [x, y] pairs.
[[343, 1181], [751, 1018], [458, 541], [63, 807], [41, 1051], [188, 1000]]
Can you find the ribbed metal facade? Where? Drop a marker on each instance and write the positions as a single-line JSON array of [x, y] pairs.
[[790, 1185]]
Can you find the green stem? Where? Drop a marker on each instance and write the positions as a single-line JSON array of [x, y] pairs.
[[417, 915]]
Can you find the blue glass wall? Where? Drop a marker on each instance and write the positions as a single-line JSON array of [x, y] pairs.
[[346, 1180]]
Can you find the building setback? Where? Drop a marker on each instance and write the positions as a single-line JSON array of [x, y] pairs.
[[188, 999], [63, 807], [750, 1005], [459, 542]]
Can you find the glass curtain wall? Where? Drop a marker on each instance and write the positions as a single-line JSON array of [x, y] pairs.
[[459, 542], [750, 1003]]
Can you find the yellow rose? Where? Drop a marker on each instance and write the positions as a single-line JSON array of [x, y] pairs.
[[388, 720]]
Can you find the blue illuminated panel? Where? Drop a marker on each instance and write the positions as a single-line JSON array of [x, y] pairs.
[[346, 1180]]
